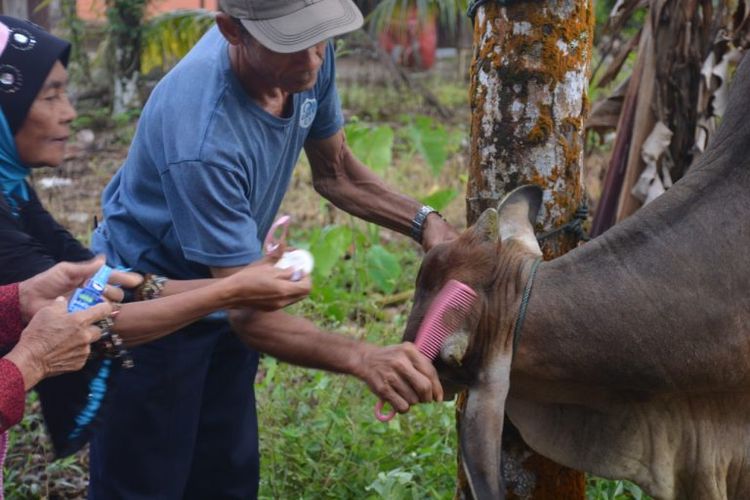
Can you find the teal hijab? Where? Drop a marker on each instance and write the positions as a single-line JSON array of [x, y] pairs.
[[12, 173]]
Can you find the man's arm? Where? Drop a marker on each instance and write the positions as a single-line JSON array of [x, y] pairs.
[[351, 186], [399, 374]]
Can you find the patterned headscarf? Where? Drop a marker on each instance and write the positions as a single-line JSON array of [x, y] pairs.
[[25, 64], [27, 54]]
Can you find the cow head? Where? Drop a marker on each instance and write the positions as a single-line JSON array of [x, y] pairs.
[[492, 257]]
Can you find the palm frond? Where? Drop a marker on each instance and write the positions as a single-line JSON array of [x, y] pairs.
[[168, 37]]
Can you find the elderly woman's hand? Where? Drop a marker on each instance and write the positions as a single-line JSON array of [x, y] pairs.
[[263, 286], [56, 342], [62, 279]]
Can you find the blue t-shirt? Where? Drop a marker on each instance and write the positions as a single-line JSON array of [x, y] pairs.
[[208, 168]]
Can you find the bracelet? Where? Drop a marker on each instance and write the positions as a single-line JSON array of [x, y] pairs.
[[417, 223], [110, 344], [151, 288]]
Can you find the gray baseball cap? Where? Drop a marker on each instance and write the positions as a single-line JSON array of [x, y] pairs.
[[292, 25]]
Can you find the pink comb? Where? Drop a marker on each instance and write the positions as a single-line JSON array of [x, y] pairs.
[[451, 306], [273, 240]]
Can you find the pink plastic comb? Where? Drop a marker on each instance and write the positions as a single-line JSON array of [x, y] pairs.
[[450, 307], [273, 240]]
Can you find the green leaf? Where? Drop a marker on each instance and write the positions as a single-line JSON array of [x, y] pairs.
[[440, 199], [383, 268], [431, 141], [328, 249], [355, 131], [372, 146]]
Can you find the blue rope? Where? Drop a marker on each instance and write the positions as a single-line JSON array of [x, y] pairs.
[[524, 304]]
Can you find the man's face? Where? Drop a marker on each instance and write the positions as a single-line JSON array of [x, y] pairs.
[[293, 72]]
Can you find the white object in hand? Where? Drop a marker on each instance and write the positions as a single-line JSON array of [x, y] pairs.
[[301, 261]]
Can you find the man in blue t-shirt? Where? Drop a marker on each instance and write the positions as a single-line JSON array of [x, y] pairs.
[[204, 178]]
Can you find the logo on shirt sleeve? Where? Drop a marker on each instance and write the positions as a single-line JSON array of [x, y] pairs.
[[307, 112]]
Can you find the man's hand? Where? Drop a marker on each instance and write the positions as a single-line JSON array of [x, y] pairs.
[[435, 231], [60, 280], [400, 375], [56, 342]]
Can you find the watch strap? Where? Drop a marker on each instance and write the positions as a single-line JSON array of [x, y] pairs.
[[417, 223]]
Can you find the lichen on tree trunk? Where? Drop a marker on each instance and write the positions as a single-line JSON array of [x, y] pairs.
[[529, 82]]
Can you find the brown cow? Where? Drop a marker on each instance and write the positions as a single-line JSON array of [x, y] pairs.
[[634, 357]]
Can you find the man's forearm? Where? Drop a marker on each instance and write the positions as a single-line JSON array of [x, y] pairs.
[[398, 374], [298, 341], [351, 186]]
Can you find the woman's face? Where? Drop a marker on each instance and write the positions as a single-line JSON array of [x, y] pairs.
[[41, 139]]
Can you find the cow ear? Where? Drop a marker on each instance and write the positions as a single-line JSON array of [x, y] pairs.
[[485, 227], [517, 214], [481, 430]]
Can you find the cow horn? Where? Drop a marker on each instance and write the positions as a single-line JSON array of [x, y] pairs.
[[486, 226], [517, 213]]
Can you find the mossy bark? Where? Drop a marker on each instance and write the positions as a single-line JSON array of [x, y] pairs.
[[529, 82]]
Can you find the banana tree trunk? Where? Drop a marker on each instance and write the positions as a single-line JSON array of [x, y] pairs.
[[675, 96], [529, 81], [125, 28]]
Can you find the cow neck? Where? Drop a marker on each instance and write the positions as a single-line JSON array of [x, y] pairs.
[[495, 329]]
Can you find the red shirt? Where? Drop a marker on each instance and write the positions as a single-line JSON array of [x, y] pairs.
[[12, 393]]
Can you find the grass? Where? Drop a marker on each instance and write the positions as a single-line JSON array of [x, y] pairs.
[[319, 438]]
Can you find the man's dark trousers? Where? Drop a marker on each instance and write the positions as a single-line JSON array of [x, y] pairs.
[[182, 422]]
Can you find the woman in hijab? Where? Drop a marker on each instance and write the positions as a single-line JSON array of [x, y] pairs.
[[34, 128]]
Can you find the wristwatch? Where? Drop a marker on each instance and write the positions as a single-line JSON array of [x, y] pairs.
[[417, 223]]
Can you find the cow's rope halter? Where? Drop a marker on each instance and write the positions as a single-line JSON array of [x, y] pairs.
[[574, 226], [524, 304]]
